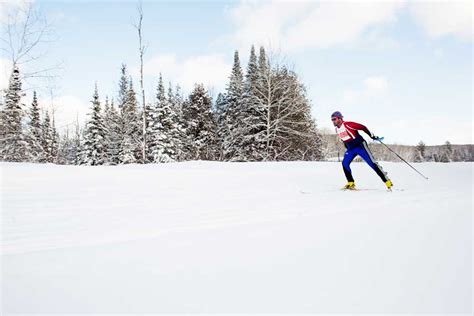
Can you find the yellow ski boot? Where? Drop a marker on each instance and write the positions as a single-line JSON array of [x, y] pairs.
[[349, 186], [389, 185]]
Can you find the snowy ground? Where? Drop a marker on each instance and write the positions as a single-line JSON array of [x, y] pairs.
[[220, 237]]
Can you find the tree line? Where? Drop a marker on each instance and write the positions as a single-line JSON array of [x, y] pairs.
[[263, 115], [333, 149]]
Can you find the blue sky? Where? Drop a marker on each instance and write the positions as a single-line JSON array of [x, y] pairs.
[[402, 68]]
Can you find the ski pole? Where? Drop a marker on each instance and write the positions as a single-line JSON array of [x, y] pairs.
[[402, 159]]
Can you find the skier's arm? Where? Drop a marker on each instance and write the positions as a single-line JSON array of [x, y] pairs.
[[359, 127]]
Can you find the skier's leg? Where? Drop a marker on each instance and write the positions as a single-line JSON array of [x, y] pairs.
[[348, 157], [369, 159]]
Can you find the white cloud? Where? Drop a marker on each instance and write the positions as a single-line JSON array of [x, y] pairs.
[[443, 18], [374, 86], [336, 23], [308, 24], [263, 23], [211, 70]]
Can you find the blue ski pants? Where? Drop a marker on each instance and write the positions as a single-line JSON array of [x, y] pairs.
[[363, 151]]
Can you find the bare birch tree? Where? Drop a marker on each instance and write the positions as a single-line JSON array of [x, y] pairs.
[[288, 119], [24, 37], [142, 49]]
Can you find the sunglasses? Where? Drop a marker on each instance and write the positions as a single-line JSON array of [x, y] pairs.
[[334, 118]]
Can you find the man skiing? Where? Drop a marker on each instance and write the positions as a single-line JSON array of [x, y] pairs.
[[356, 145]]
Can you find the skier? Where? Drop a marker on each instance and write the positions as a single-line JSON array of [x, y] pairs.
[[356, 145]]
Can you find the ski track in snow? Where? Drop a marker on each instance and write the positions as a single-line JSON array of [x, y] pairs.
[[235, 237]]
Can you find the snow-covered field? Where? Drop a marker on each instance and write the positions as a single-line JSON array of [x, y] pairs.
[[250, 238]]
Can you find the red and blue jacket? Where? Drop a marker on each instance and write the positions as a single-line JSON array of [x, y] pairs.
[[348, 133]]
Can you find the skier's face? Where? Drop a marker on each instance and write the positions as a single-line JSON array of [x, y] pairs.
[[337, 121]]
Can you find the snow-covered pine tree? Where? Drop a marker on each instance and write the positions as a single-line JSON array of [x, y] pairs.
[[153, 124], [222, 129], [254, 115], [419, 152], [34, 131], [125, 147], [77, 145], [165, 140], [13, 144], [65, 149], [105, 112], [177, 133], [446, 152], [123, 87], [200, 126], [150, 126], [2, 120], [134, 127], [176, 99], [47, 138], [233, 113], [115, 139], [55, 138], [150, 129], [94, 147], [263, 65], [112, 132], [130, 145]]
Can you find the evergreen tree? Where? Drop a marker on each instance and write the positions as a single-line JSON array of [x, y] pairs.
[[112, 132], [166, 129], [252, 72], [174, 124], [2, 121], [446, 153], [263, 65], [150, 130], [253, 127], [420, 152], [154, 128], [47, 138], [66, 150], [200, 127], [77, 146], [106, 120], [123, 87], [127, 128], [130, 146], [55, 138], [34, 131], [176, 100], [94, 151], [222, 127], [13, 145], [448, 147], [233, 113]]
